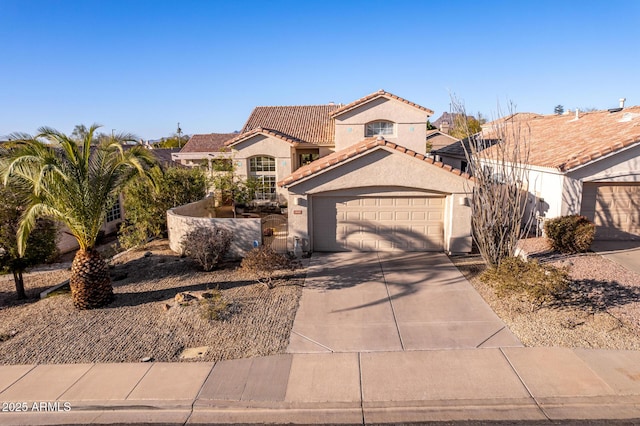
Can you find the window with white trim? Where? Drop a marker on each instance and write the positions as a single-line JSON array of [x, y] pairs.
[[114, 212], [379, 128], [263, 169]]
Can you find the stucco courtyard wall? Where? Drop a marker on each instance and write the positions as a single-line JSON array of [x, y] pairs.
[[181, 220]]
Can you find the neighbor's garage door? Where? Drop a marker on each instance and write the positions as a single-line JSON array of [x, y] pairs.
[[615, 209], [378, 223]]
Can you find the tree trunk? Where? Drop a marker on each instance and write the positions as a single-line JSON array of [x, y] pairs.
[[90, 282], [18, 279]]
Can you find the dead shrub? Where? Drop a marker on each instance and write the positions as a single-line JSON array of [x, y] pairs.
[[537, 282], [263, 262], [207, 245], [570, 234]]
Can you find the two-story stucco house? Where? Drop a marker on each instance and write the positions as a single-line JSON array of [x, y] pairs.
[[356, 176]]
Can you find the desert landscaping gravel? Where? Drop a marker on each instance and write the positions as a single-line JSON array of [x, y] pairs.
[[600, 310], [145, 320]]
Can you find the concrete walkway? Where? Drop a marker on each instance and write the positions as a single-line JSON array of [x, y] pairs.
[[363, 302], [514, 384], [476, 377]]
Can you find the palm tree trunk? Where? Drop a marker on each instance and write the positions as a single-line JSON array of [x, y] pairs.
[[90, 282], [19, 281]]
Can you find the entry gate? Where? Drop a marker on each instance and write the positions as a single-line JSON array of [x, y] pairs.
[[274, 232]]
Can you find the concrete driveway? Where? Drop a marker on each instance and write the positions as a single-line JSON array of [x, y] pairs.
[[626, 253], [391, 302]]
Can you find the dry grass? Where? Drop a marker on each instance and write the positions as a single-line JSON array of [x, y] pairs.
[[145, 320], [600, 310]]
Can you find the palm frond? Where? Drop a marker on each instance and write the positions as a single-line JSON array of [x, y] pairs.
[[73, 181]]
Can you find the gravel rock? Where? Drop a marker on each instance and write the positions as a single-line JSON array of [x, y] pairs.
[[134, 326], [601, 310]]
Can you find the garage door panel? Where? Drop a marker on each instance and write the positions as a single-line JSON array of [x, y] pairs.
[[419, 215], [402, 216], [614, 208], [367, 215], [378, 223]]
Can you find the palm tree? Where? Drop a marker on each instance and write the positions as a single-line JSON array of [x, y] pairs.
[[75, 183]]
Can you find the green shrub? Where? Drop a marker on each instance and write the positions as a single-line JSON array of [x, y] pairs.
[[207, 245], [146, 208], [539, 283], [570, 234], [263, 262], [213, 306]]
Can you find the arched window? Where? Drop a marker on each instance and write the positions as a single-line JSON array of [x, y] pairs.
[[380, 128], [263, 169]]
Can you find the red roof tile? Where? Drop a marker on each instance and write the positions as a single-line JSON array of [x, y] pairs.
[[564, 142], [380, 93], [308, 123], [368, 144], [268, 132], [211, 142]]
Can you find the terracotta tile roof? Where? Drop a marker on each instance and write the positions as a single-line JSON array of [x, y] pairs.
[[307, 123], [564, 142], [211, 142], [380, 93], [368, 144], [269, 132]]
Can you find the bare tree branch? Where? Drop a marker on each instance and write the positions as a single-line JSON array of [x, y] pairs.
[[498, 160]]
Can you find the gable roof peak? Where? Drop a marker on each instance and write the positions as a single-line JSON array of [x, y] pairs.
[[375, 95]]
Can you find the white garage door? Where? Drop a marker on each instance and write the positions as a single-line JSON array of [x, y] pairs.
[[614, 208], [378, 223]]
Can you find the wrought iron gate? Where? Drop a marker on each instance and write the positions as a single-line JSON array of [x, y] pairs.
[[274, 232]]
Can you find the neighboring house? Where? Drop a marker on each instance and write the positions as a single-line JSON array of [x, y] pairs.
[[201, 149], [356, 177], [164, 156], [584, 163], [439, 143]]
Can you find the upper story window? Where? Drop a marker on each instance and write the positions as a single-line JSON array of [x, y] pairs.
[[262, 164], [380, 128]]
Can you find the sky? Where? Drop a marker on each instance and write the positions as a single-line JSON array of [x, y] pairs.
[[142, 66]]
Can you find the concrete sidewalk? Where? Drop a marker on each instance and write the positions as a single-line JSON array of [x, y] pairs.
[[514, 384]]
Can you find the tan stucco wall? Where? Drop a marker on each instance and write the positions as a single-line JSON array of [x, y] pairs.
[[411, 124], [394, 174], [263, 145], [245, 231], [202, 208], [326, 150]]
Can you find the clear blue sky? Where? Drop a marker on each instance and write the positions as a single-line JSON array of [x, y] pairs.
[[143, 66]]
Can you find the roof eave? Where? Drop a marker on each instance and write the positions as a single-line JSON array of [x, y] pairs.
[[568, 166], [365, 151], [265, 132]]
